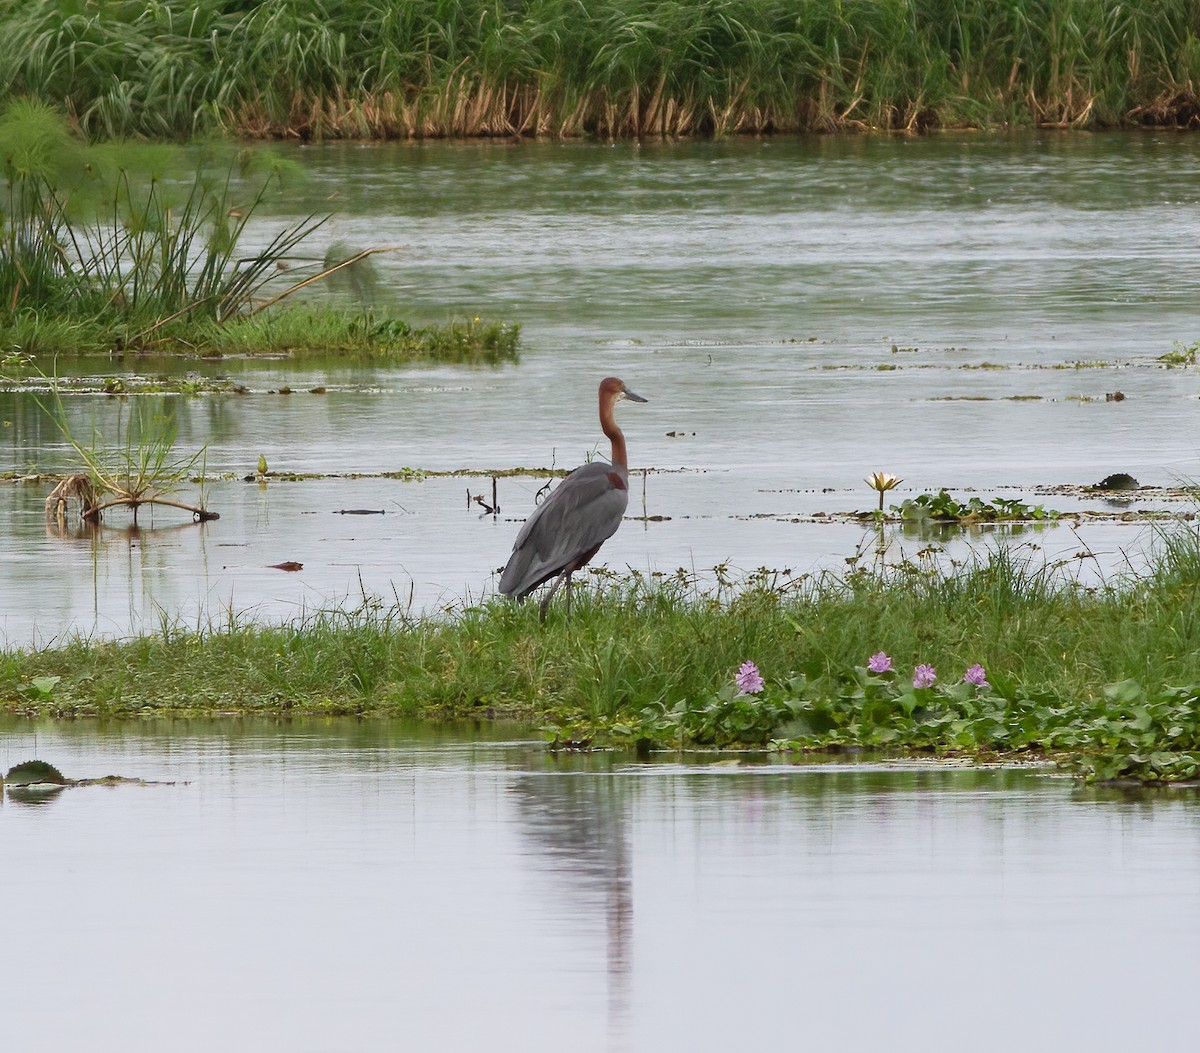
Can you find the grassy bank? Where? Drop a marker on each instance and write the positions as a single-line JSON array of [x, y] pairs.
[[373, 68], [1109, 678], [31, 343], [119, 250]]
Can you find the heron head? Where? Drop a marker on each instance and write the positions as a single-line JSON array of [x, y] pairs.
[[614, 388]]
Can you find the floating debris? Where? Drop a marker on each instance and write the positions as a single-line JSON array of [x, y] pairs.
[[36, 782]]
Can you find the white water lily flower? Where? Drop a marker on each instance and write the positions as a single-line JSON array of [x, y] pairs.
[[882, 481]]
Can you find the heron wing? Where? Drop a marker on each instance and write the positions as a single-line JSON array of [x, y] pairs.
[[578, 516]]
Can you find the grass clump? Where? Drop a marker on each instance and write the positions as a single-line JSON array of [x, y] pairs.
[[373, 68], [151, 251], [1107, 678], [352, 333], [138, 466], [95, 243]]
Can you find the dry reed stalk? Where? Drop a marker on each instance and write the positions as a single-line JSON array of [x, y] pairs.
[[524, 110], [654, 110], [573, 125], [251, 121], [1179, 106], [78, 487], [670, 115], [609, 123], [357, 258], [689, 121]]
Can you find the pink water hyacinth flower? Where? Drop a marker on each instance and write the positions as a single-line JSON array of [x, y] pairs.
[[924, 676], [879, 662], [976, 675], [749, 681]]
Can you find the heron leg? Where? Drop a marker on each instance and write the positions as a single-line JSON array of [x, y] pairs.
[[565, 575], [545, 604]]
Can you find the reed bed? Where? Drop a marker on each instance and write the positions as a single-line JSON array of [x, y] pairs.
[[315, 69]]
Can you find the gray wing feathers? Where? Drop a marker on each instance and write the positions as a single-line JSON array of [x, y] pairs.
[[582, 513]]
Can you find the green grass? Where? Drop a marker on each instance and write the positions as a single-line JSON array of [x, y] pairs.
[[33, 340], [635, 650], [143, 251], [376, 68]]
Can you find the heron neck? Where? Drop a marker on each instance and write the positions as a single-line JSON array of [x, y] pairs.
[[609, 426]]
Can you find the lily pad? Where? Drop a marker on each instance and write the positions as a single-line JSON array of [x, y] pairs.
[[34, 771]]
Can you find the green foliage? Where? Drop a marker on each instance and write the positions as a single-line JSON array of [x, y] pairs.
[[139, 463], [650, 660], [727, 718], [942, 508], [351, 332], [358, 68], [97, 256], [150, 254], [40, 689], [1182, 355], [1122, 733], [30, 772]]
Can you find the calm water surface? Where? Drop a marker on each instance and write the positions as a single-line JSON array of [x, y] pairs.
[[330, 885], [753, 291]]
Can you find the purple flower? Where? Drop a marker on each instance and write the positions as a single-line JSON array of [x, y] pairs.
[[924, 676], [749, 681], [879, 663], [977, 676]]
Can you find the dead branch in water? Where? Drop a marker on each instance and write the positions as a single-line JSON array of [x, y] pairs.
[[95, 514]]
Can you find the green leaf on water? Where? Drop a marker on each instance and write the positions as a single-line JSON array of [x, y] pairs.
[[33, 771]]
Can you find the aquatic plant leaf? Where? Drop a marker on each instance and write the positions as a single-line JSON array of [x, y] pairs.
[[1125, 693], [44, 685], [33, 771]]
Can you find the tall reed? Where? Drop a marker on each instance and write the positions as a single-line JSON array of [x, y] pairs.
[[83, 243], [377, 68]]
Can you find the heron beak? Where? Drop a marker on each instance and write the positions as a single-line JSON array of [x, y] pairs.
[[632, 397]]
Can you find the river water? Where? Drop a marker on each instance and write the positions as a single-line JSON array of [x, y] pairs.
[[327, 885], [955, 310], [335, 885]]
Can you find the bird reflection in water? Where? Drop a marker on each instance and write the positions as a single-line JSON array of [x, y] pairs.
[[579, 824]]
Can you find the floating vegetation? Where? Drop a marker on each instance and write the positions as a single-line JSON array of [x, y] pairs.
[[944, 508], [33, 771], [1125, 733], [1182, 355], [38, 781]]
